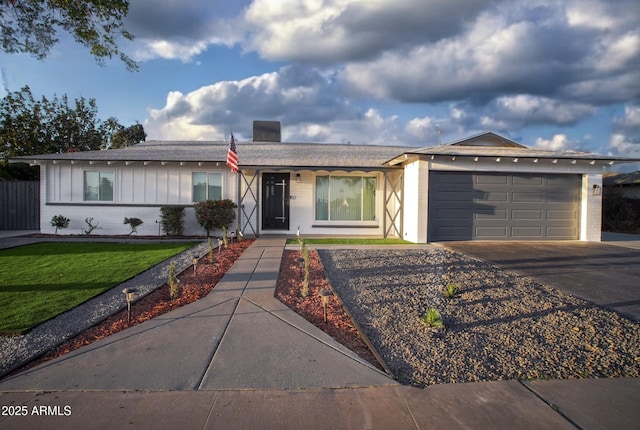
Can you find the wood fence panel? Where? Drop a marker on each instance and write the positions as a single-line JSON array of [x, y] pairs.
[[19, 205]]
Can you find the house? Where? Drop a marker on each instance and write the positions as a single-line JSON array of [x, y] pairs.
[[486, 187], [627, 183]]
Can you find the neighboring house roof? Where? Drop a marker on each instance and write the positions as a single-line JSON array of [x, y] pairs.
[[622, 179], [250, 154]]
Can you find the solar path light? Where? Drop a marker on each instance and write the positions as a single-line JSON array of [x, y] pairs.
[[324, 297], [129, 295]]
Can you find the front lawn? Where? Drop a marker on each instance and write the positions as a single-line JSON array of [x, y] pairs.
[[40, 281]]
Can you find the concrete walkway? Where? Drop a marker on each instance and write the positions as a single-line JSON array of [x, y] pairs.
[[240, 359]]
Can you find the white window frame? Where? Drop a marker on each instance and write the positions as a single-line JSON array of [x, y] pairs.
[[361, 222], [207, 173], [99, 172]]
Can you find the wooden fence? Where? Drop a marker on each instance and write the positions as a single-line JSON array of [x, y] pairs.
[[19, 205]]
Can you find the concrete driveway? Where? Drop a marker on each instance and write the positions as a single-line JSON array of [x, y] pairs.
[[604, 274]]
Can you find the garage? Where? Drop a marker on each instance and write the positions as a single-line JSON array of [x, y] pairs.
[[503, 206]]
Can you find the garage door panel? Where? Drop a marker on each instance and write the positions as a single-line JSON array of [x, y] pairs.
[[561, 215], [532, 197], [455, 213], [503, 206], [492, 214], [491, 232], [491, 179], [480, 197], [529, 215], [527, 232], [527, 181]]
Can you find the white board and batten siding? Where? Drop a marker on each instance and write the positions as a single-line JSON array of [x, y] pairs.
[[139, 191]]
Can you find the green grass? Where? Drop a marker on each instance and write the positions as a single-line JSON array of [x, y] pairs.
[[40, 281], [349, 241]]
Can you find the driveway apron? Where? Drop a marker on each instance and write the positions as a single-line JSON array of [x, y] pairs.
[[603, 274]]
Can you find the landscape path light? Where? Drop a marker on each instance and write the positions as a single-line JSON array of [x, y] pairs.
[[195, 264], [324, 297], [129, 295]]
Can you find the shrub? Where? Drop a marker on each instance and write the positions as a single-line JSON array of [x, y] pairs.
[[59, 221], [91, 226], [174, 284], [172, 220], [215, 214], [432, 318], [133, 223], [451, 291]]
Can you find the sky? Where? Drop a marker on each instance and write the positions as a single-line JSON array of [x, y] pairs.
[[552, 74]]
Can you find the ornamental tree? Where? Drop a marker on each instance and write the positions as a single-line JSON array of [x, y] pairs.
[[215, 214]]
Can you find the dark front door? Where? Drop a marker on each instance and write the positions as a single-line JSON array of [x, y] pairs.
[[275, 201]]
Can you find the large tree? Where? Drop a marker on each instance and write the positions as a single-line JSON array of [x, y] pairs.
[[29, 127], [32, 26]]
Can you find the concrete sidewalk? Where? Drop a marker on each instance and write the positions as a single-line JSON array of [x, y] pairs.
[[240, 359]]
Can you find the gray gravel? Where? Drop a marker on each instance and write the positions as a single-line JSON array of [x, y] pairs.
[[18, 350], [501, 326]]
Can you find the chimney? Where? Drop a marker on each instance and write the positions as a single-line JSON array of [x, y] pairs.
[[266, 131]]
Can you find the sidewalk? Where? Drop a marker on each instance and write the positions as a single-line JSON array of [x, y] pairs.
[[240, 359]]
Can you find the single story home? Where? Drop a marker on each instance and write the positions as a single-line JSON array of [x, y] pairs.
[[485, 187], [627, 183]]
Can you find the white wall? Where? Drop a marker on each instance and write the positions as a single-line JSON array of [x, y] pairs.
[[139, 191], [591, 209], [416, 201], [302, 208]]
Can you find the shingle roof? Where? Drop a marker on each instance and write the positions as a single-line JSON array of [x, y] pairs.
[[250, 154], [623, 179]]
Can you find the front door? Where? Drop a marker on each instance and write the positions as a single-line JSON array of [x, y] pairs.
[[275, 201]]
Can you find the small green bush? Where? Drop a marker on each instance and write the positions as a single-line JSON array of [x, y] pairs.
[[59, 221], [432, 318], [172, 220], [451, 291]]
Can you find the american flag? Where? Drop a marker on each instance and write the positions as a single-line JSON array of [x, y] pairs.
[[232, 155]]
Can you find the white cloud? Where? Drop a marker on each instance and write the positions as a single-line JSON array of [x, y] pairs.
[[331, 31], [620, 145], [559, 142]]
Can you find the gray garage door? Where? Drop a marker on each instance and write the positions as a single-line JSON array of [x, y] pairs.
[[493, 206]]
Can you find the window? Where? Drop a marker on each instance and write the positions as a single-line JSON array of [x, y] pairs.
[[345, 198], [207, 186], [98, 186]]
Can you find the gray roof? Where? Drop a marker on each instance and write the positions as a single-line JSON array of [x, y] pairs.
[[316, 155], [250, 154], [622, 179]]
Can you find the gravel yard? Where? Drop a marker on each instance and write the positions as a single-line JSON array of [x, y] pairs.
[[501, 325]]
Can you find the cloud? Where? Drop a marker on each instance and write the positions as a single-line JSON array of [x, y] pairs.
[[511, 50], [293, 95], [181, 30], [333, 31], [559, 142]]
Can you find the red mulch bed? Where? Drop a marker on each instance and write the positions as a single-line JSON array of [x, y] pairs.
[[338, 324], [195, 286]]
